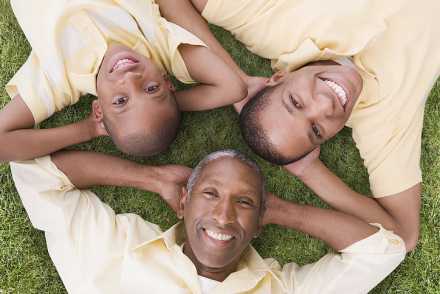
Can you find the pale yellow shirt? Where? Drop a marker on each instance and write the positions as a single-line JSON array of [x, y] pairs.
[[70, 37], [395, 45], [98, 251]]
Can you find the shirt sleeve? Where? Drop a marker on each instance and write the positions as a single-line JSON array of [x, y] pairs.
[[85, 238], [35, 88], [357, 269]]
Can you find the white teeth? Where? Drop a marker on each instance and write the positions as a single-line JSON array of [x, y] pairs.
[[338, 90], [218, 236], [121, 63]]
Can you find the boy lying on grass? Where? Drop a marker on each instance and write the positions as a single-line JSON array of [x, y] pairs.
[[121, 52]]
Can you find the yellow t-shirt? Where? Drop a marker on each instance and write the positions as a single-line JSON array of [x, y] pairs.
[[70, 37], [96, 250], [395, 45]]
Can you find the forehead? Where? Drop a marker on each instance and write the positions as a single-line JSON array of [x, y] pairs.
[[231, 173]]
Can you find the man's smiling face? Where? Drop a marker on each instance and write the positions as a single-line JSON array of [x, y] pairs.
[[222, 213], [134, 95], [306, 107]]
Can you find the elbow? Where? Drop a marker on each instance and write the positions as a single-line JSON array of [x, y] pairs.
[[411, 241], [409, 236], [239, 91]]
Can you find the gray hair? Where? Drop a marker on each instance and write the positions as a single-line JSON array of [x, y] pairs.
[[227, 153]]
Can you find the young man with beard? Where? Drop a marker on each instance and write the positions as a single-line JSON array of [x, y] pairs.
[[223, 207], [365, 64]]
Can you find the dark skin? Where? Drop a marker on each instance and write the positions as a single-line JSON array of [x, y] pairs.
[[224, 200], [134, 96], [301, 99]]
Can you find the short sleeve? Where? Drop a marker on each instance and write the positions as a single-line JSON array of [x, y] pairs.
[[35, 88], [357, 269], [399, 165], [178, 36]]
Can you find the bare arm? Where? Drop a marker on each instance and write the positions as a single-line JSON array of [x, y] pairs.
[[187, 15], [338, 230], [86, 169], [219, 85], [184, 14], [19, 141], [399, 213]]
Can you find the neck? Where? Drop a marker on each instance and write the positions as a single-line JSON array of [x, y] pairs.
[[218, 274]]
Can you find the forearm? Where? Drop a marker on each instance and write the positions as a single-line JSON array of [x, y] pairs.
[[183, 13], [24, 144], [216, 88], [205, 97], [86, 169], [337, 194], [337, 229]]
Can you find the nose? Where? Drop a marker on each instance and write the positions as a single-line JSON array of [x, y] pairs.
[[319, 108], [132, 80], [224, 213]]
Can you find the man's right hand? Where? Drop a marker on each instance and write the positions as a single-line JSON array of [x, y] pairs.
[[172, 178]]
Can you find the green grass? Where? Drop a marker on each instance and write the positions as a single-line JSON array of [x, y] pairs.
[[25, 266]]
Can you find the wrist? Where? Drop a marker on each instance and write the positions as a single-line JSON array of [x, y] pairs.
[[87, 130], [273, 209], [309, 170], [150, 179]]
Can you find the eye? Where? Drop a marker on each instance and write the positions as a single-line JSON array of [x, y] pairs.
[[294, 102], [209, 194], [119, 101], [316, 131], [152, 88], [245, 202]]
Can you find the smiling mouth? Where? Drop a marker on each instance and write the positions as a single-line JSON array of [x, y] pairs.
[[339, 91], [218, 236], [123, 63]]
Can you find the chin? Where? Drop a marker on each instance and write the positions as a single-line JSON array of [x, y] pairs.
[[215, 262]]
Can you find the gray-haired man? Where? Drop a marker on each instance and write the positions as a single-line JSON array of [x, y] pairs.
[[223, 208]]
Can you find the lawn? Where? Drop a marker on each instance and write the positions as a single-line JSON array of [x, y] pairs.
[[25, 266]]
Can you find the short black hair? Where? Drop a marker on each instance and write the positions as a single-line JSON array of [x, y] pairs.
[[149, 142], [254, 133]]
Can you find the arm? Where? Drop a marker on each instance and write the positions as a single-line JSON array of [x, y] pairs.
[[397, 212], [337, 229], [184, 14], [20, 141], [86, 169], [83, 234], [367, 255], [219, 85]]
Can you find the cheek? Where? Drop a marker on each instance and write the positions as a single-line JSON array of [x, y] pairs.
[[249, 223]]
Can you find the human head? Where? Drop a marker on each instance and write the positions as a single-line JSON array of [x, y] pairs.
[[300, 110], [223, 207], [135, 104]]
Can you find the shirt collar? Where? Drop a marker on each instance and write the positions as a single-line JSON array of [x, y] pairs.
[[251, 270]]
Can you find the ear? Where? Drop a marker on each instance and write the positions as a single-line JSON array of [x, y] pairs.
[[181, 205], [169, 84], [277, 78], [98, 114]]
